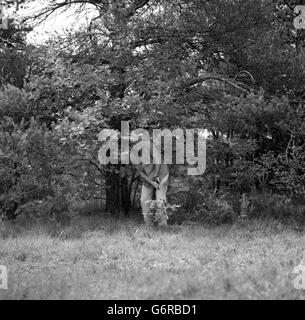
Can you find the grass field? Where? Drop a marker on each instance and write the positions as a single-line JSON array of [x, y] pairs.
[[97, 258]]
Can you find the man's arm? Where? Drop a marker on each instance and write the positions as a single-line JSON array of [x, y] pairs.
[[144, 176]]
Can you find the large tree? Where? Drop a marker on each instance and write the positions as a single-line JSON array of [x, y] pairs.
[[153, 58], [159, 64]]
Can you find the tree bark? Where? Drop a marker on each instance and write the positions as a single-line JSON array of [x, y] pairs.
[[118, 194]]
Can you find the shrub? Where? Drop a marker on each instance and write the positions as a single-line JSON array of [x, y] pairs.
[[34, 171], [201, 204], [161, 211], [267, 205]]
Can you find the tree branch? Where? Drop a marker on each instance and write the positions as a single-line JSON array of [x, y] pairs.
[[217, 78], [137, 4]]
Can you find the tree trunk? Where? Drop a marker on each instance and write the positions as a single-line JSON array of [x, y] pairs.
[[118, 194]]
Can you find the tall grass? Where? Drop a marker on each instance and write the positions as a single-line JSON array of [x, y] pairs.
[[104, 258]]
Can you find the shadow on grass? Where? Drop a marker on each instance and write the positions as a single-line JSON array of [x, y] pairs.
[[73, 229], [88, 225]]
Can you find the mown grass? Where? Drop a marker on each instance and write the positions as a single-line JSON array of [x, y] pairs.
[[102, 258]]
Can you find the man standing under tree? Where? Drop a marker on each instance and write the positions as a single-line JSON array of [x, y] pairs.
[[155, 181]]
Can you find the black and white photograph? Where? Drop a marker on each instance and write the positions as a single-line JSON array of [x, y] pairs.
[[152, 150]]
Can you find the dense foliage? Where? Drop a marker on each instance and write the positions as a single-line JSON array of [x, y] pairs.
[[235, 68]]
